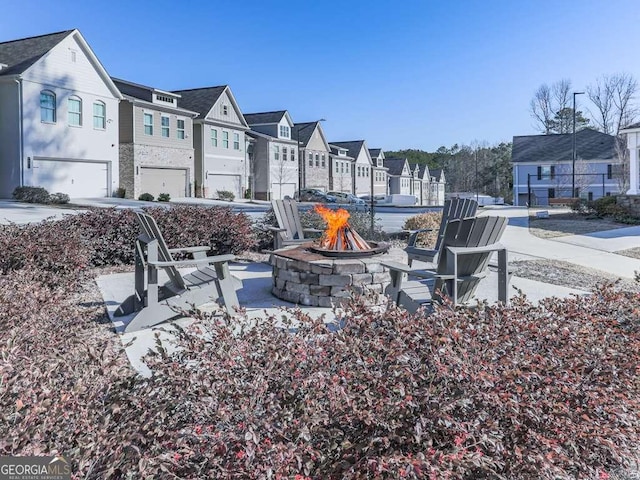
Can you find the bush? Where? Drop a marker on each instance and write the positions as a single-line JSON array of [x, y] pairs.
[[110, 234], [519, 392], [164, 197], [606, 207], [425, 220], [120, 192], [58, 256], [31, 194], [225, 195], [59, 198], [146, 197]]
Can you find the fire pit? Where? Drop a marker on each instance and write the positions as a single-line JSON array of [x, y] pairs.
[[326, 272]]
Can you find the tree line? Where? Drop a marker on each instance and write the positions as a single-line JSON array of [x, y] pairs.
[[469, 168]]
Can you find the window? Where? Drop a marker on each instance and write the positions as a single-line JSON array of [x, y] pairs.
[[366, 170], [609, 172], [214, 137], [590, 196], [346, 167], [276, 154], [284, 131], [225, 139], [47, 107], [148, 124], [164, 121], [324, 161], [293, 155], [284, 153], [358, 170], [310, 159], [180, 129], [546, 171], [75, 111], [74, 56], [317, 160], [225, 110], [337, 167], [99, 115], [341, 167], [236, 141]]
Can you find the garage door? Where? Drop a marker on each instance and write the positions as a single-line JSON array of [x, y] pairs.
[[279, 191], [75, 178], [217, 182], [164, 180]]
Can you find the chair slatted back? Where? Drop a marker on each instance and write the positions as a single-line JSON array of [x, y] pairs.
[[151, 230], [469, 232], [287, 215], [454, 209]]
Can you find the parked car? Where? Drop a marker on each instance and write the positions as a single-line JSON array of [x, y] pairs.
[[347, 198], [314, 195]]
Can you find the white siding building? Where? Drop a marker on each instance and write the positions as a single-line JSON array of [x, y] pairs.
[[58, 117]]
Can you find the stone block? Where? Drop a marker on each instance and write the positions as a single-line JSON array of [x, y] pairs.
[[320, 290], [348, 266], [282, 262], [361, 278], [299, 266], [338, 290], [279, 283], [297, 287], [288, 276], [309, 300], [325, 302], [374, 287], [309, 278], [321, 268], [334, 280], [372, 266], [382, 277]]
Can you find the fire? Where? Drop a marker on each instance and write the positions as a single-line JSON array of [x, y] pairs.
[[339, 235]]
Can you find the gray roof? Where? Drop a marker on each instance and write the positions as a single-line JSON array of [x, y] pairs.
[[264, 117], [633, 125], [304, 130], [374, 152], [353, 147], [134, 89], [436, 173], [590, 145], [21, 54], [334, 150], [395, 165], [200, 100], [421, 168]]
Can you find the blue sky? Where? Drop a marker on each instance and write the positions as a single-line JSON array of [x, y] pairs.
[[399, 74]]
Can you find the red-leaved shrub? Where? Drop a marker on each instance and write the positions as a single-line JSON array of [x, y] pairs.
[[522, 392]]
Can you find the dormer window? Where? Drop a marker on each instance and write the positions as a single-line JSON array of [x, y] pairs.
[[165, 99], [225, 110], [284, 131]]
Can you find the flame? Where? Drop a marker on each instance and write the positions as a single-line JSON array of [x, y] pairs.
[[338, 235]]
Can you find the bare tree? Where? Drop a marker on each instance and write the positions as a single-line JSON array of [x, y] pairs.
[[601, 95], [613, 96], [283, 172], [624, 88], [541, 109], [547, 103], [621, 172]]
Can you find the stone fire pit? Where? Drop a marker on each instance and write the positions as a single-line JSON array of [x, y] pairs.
[[307, 278]]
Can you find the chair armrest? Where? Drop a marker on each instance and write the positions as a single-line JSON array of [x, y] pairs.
[[312, 230], [275, 229], [494, 247], [203, 248], [194, 262]]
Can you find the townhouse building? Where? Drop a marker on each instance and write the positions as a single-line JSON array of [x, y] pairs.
[[58, 117], [274, 165], [543, 167], [221, 160], [400, 176], [362, 171], [380, 181], [314, 152], [156, 142]]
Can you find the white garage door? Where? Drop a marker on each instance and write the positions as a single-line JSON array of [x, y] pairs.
[[230, 183], [75, 178], [164, 180], [279, 191]]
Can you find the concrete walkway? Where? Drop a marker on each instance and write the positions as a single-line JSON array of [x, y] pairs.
[[593, 250]]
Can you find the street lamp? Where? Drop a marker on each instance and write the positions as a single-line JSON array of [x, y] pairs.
[[573, 150], [301, 161]]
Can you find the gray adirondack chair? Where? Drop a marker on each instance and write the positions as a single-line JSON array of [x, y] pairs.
[[154, 303], [454, 208], [467, 246], [289, 230]]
